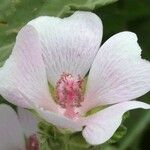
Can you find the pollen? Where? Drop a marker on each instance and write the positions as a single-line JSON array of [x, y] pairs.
[[69, 93]]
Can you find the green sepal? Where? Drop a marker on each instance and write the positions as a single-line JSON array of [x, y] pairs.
[[77, 142], [125, 116], [94, 110], [52, 138], [48, 137], [121, 131]]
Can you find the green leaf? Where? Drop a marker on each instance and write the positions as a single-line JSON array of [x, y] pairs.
[[119, 16], [65, 7], [4, 53], [13, 15]]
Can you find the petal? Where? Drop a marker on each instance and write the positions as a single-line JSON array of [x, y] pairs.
[[101, 126], [23, 76], [59, 120], [69, 45], [118, 72], [11, 134], [29, 122]]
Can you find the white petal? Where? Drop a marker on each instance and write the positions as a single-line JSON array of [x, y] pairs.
[[59, 120], [101, 126], [11, 134], [70, 44], [118, 72], [29, 122], [23, 76]]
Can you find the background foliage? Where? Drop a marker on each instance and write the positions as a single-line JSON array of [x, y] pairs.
[[123, 15]]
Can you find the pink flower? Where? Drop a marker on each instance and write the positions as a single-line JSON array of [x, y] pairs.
[[61, 52], [17, 131]]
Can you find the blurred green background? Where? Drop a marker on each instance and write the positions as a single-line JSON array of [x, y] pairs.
[[132, 15]]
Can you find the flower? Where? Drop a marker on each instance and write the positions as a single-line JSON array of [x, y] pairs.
[[13, 129], [61, 52]]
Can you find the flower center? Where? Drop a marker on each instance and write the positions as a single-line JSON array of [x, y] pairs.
[[32, 143], [69, 94]]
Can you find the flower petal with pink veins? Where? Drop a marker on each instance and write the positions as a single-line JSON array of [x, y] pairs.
[[118, 72], [23, 76], [59, 120], [28, 121], [70, 44], [11, 134], [101, 126]]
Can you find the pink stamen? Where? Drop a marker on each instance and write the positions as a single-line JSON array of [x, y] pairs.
[[69, 94]]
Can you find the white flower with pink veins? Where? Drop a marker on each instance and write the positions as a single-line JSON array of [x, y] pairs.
[[61, 52]]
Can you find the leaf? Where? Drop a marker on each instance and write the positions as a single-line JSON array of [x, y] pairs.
[[65, 7], [4, 53], [13, 15], [117, 17]]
